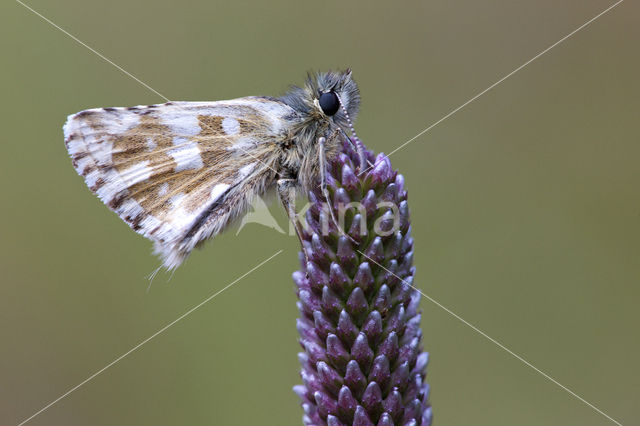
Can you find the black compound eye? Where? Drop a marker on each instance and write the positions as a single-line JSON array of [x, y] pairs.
[[329, 103]]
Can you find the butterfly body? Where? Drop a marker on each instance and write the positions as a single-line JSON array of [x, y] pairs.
[[181, 172]]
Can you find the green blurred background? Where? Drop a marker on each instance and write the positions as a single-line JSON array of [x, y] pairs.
[[525, 206]]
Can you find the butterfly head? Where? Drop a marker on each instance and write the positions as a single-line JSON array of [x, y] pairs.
[[329, 96], [336, 95]]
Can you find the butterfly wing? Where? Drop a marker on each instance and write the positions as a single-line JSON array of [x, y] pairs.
[[180, 172]]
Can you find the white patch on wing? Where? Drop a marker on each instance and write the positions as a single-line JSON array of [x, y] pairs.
[[176, 200], [163, 189], [83, 164], [218, 190], [92, 178], [186, 155], [245, 170], [180, 122], [179, 216], [119, 121], [115, 121], [183, 219], [151, 145], [242, 144], [103, 152], [271, 110], [230, 126], [136, 173], [130, 207]]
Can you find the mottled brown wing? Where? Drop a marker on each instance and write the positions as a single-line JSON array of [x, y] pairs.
[[180, 172]]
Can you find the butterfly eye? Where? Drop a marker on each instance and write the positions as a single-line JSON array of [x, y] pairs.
[[329, 103]]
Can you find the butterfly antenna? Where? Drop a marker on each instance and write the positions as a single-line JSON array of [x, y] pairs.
[[353, 145], [359, 145]]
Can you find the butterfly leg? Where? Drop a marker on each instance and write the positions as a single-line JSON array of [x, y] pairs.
[[323, 186], [286, 188]]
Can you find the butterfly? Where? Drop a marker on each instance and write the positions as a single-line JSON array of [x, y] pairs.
[[180, 173]]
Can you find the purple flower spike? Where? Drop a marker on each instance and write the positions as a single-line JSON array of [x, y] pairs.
[[362, 360]]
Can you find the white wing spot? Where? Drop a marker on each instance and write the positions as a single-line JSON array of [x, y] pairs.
[[245, 170], [130, 207], [136, 173], [241, 144], [186, 155], [218, 190], [83, 163], [163, 190], [178, 216], [176, 200], [92, 178], [230, 126], [181, 123], [151, 144]]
